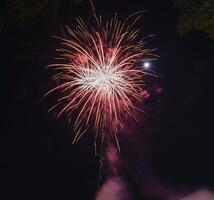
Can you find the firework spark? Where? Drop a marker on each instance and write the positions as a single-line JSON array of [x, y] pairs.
[[98, 75]]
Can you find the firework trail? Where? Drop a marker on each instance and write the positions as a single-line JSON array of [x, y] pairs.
[[98, 75]]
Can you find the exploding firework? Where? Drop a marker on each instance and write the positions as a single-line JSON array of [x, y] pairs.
[[98, 75]]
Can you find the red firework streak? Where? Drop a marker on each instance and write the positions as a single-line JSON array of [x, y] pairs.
[[99, 80], [98, 75]]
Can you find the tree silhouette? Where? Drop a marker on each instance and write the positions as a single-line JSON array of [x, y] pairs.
[[196, 14], [21, 12]]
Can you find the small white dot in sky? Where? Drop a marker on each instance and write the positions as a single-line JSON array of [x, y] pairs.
[[146, 64]]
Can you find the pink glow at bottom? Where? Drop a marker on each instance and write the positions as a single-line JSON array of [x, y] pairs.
[[199, 195], [113, 189]]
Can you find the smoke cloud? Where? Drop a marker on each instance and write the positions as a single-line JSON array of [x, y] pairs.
[[114, 189], [200, 195]]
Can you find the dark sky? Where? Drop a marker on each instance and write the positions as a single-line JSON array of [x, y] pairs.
[[39, 161]]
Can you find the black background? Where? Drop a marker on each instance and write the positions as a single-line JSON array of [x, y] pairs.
[[39, 161]]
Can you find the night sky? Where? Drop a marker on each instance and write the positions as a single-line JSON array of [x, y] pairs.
[[176, 136]]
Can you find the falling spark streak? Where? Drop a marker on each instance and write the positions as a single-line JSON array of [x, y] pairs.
[[99, 76]]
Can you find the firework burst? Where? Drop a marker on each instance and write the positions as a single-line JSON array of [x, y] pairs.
[[98, 74]]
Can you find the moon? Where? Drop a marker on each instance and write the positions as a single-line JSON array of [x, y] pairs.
[[147, 65]]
